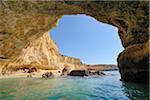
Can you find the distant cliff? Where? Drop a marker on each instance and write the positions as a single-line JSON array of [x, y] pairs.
[[102, 67]]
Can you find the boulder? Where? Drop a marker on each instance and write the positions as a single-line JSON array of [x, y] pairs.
[[78, 73], [48, 75], [100, 73], [91, 73]]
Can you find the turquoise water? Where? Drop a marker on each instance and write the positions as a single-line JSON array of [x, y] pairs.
[[72, 88]]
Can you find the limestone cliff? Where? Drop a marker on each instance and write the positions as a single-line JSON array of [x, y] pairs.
[[42, 53], [23, 22], [39, 53], [71, 64], [134, 62]]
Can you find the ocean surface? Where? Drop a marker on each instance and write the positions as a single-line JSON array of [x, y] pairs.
[[107, 87]]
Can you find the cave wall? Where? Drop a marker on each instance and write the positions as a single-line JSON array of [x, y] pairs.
[[22, 22]]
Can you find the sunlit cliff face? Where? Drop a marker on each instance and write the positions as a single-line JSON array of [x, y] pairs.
[[23, 22]]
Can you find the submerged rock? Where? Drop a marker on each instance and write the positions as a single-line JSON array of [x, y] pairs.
[[29, 75], [48, 75]]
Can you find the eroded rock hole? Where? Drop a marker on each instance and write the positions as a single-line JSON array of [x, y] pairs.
[[83, 37]]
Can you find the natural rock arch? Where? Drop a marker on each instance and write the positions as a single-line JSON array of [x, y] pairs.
[[23, 22]]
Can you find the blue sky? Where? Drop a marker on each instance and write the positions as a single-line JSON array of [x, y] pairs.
[[84, 37]]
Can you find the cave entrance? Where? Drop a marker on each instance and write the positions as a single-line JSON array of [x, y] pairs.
[[84, 37]]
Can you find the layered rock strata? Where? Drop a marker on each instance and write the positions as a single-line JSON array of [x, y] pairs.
[[42, 54]]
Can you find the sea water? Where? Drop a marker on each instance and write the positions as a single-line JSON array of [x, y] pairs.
[[108, 87]]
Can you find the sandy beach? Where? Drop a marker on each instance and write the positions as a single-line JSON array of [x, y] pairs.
[[37, 74]]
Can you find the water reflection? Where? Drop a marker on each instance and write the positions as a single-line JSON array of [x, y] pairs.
[[136, 91]]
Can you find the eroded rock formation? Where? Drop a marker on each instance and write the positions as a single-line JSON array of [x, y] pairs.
[[22, 23], [134, 62], [42, 53]]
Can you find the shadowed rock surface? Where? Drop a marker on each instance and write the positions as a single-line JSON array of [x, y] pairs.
[[24, 41], [134, 62], [78, 73], [95, 73], [85, 73]]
